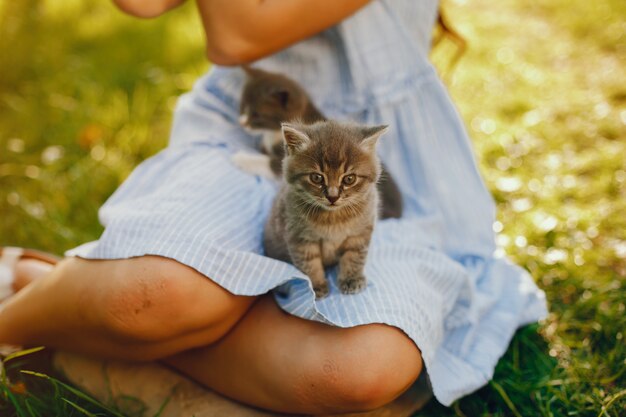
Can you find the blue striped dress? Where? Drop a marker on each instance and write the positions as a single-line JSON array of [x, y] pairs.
[[432, 273]]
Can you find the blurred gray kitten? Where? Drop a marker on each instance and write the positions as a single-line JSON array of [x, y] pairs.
[[268, 99], [326, 209]]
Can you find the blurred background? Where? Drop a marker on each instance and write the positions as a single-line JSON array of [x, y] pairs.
[[86, 93]]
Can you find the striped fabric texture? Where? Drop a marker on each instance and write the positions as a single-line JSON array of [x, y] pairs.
[[432, 273]]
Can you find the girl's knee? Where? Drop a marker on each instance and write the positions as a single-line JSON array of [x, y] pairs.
[[152, 299], [367, 369]]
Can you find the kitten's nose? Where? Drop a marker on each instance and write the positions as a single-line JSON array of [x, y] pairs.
[[332, 194]]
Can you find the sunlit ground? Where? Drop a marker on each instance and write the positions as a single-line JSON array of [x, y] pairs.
[[86, 93]]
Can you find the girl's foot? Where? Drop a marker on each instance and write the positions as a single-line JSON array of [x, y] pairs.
[[28, 270], [19, 267]]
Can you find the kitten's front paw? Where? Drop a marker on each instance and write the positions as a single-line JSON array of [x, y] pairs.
[[352, 284], [321, 290]]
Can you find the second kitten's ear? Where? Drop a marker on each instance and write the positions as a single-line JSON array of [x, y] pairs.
[[371, 136], [295, 139]]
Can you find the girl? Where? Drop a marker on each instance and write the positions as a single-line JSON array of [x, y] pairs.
[[179, 272]]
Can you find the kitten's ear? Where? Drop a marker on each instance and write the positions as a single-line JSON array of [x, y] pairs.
[[371, 136], [295, 140], [282, 97]]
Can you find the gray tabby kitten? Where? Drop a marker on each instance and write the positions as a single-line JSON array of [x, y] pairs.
[[325, 212], [268, 99]]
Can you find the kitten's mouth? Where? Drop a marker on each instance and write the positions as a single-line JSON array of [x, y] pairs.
[[325, 204]]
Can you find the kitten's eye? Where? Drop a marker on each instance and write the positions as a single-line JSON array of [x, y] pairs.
[[316, 178], [349, 179]]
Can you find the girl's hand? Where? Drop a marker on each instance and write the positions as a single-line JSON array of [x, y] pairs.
[[147, 8], [241, 31]]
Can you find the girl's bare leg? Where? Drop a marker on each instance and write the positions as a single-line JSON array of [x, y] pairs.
[[140, 308], [152, 307], [280, 362]]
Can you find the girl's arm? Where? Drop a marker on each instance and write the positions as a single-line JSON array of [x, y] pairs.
[[240, 31], [147, 8]]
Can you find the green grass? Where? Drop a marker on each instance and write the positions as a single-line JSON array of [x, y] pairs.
[[86, 93], [39, 394]]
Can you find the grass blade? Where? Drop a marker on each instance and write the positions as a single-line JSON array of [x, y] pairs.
[[74, 391], [16, 404], [162, 408], [31, 412], [505, 397], [79, 408], [610, 402], [23, 353]]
